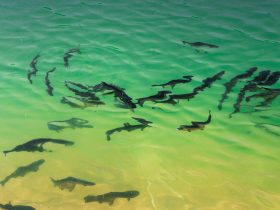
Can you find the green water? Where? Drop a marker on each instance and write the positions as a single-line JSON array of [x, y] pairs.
[[231, 164]]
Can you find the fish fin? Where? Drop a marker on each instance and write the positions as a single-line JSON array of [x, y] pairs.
[[53, 181], [128, 199], [112, 202], [2, 183], [71, 187], [10, 203]]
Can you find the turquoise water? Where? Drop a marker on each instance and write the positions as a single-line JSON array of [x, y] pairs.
[[231, 164]]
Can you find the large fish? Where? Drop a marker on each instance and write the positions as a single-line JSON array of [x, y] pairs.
[[172, 83], [23, 170], [16, 207], [195, 125], [159, 96], [111, 196], [33, 145], [70, 183]]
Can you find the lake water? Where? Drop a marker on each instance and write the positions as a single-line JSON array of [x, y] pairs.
[[231, 164]]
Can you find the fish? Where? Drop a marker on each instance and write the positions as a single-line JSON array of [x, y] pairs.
[[122, 105], [141, 120], [32, 145], [200, 51], [70, 183], [263, 95], [111, 196], [209, 81], [72, 123], [87, 103], [47, 82], [89, 95], [159, 96], [172, 83], [16, 207], [33, 67], [196, 125], [120, 94], [271, 80], [229, 85], [252, 87], [77, 84], [23, 170], [69, 55], [262, 76], [183, 96], [236, 104], [168, 101], [126, 127], [200, 44]]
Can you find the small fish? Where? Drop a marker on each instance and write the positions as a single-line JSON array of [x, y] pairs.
[[47, 82], [69, 55], [122, 105], [126, 127], [32, 145], [209, 81], [172, 83], [263, 95], [159, 96], [111, 196], [200, 44], [120, 94], [195, 125], [23, 170], [70, 183], [72, 123], [141, 120], [201, 51], [33, 67], [262, 76], [169, 101], [229, 85], [183, 96], [272, 79], [86, 103], [16, 207], [91, 96], [236, 104]]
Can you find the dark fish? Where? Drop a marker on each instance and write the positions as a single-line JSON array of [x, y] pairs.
[[47, 82], [200, 44], [209, 81], [69, 55], [70, 183], [141, 120], [263, 95], [120, 94], [195, 125], [159, 96], [168, 101], [72, 123], [229, 85], [183, 96], [32, 145], [200, 51], [126, 127], [16, 207], [236, 104], [87, 103], [262, 76], [272, 79], [23, 170], [121, 104], [252, 87], [33, 67], [172, 83], [267, 101], [78, 85], [111, 196], [91, 96]]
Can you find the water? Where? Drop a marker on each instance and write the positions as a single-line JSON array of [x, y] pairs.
[[231, 164]]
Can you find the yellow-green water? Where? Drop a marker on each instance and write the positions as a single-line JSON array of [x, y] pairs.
[[231, 164]]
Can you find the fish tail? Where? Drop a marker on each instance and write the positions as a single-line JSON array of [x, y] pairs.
[[53, 181], [2, 183]]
